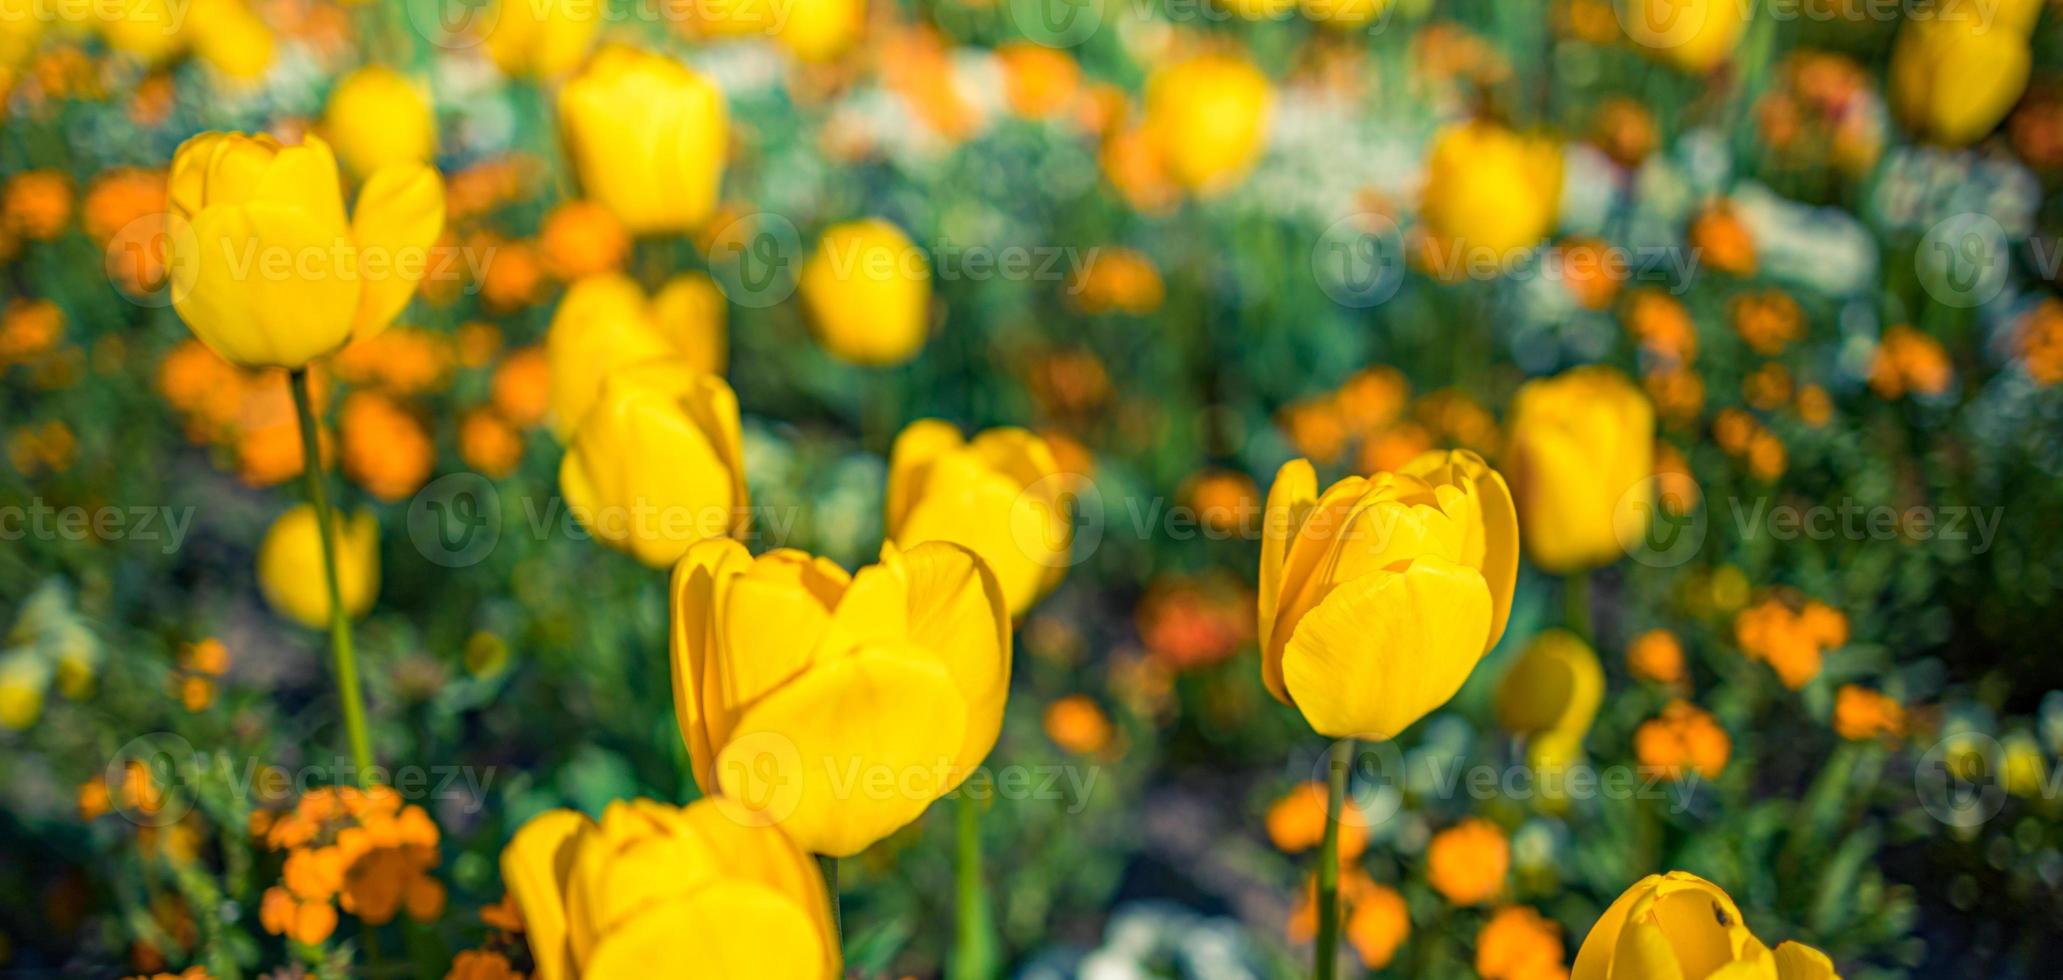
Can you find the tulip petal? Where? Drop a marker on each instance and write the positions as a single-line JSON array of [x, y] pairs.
[[1797, 961], [735, 929], [303, 177], [400, 213], [1594, 957], [919, 444], [1381, 651], [767, 633], [262, 287], [766, 855], [695, 595], [850, 751], [957, 611], [714, 407], [1644, 952], [1018, 534], [1290, 499], [534, 868]]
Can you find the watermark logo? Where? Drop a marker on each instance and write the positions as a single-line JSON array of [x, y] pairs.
[[1962, 260], [1960, 780], [1359, 260], [1056, 23], [1066, 520], [455, 520], [1661, 520], [756, 259]]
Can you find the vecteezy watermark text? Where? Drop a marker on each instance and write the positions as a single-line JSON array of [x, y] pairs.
[[39, 521]]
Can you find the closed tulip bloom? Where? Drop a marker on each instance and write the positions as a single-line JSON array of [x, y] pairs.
[[1551, 695], [867, 290], [1490, 195], [658, 463], [1378, 596], [230, 36], [540, 38], [998, 495], [268, 271], [290, 570], [1694, 36], [656, 889], [648, 137], [820, 30], [837, 706], [376, 118], [1207, 118], [1680, 925], [604, 324], [1953, 78], [1581, 456]]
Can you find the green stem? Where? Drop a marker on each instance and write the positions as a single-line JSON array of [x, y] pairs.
[[346, 659], [974, 957], [830, 866], [1576, 604], [1326, 957]]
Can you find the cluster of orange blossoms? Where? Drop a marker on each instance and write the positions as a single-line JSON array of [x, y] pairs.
[[201, 666], [1909, 362], [1188, 623], [1742, 436], [1518, 943], [1683, 739], [249, 412], [2041, 342], [1791, 640], [1657, 656], [1467, 862], [1863, 715], [1369, 412], [363, 851]]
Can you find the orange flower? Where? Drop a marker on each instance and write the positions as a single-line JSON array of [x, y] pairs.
[[196, 693], [1377, 925], [30, 327], [1117, 279], [207, 656], [1656, 656], [1591, 272], [386, 450], [1678, 393], [1395, 447], [1076, 724], [1767, 387], [1187, 623], [1315, 430], [1467, 862], [1909, 361], [1625, 130], [1039, 81], [1768, 321], [1723, 240], [1790, 641], [488, 444], [37, 204], [94, 800], [1519, 943], [1225, 501], [1684, 738], [2041, 342], [478, 342], [1134, 166], [1296, 823], [513, 277], [118, 204], [1069, 382], [1815, 406], [1373, 398], [505, 915], [582, 238], [1861, 714], [522, 387], [481, 964]]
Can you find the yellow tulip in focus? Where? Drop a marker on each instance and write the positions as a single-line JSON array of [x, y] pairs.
[[648, 137], [868, 293], [1378, 596], [1207, 119], [998, 495], [604, 324], [658, 463], [290, 571], [837, 706], [1680, 925], [540, 38], [1953, 78], [268, 271], [377, 118], [1694, 35], [1490, 195], [659, 890], [1581, 456]]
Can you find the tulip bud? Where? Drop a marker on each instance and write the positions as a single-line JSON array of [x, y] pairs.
[[1378, 597], [837, 706], [604, 324], [1693, 35], [266, 270], [1490, 195], [1207, 118], [658, 463], [1581, 455], [998, 496], [868, 293], [1680, 925], [534, 39], [616, 898], [648, 137], [1953, 78], [377, 118], [820, 30], [290, 565]]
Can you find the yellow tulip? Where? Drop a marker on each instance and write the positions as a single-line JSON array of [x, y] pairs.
[[1490, 194], [1344, 14], [267, 270], [1551, 694], [648, 137], [533, 39], [1378, 597], [1953, 78], [868, 293], [229, 35], [998, 496], [1207, 119], [151, 30], [837, 706], [1259, 9], [658, 463], [290, 570], [376, 118], [604, 324], [1581, 455], [820, 30], [1694, 35], [659, 889], [24, 683], [1680, 925]]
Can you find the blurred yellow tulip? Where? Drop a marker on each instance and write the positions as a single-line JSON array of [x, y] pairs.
[[1694, 35], [658, 463], [1345, 14], [290, 570], [1378, 597], [24, 683], [998, 495], [868, 293], [1551, 694], [1259, 9], [1680, 925], [377, 118], [1581, 456], [656, 889], [819, 30], [1207, 119], [837, 706], [540, 38], [1953, 78], [1490, 195], [604, 324], [266, 269], [229, 35], [648, 137]]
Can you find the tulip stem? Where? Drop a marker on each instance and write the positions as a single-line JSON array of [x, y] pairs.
[[1576, 604], [830, 866], [346, 659], [1326, 957], [974, 957]]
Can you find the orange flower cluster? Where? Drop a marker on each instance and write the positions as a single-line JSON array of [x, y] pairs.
[[37, 204], [29, 329], [200, 666], [1193, 622], [1669, 339], [1723, 241], [1768, 321], [400, 361], [1791, 640], [1369, 412], [1114, 279], [1591, 273], [2041, 342], [49, 445], [359, 850], [1377, 919], [1296, 822], [582, 238], [386, 449], [1518, 943], [129, 204], [496, 959], [1467, 862], [1862, 715], [1657, 656], [1068, 382], [1077, 725], [1742, 436], [1824, 111], [1909, 362], [1683, 739], [249, 412]]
